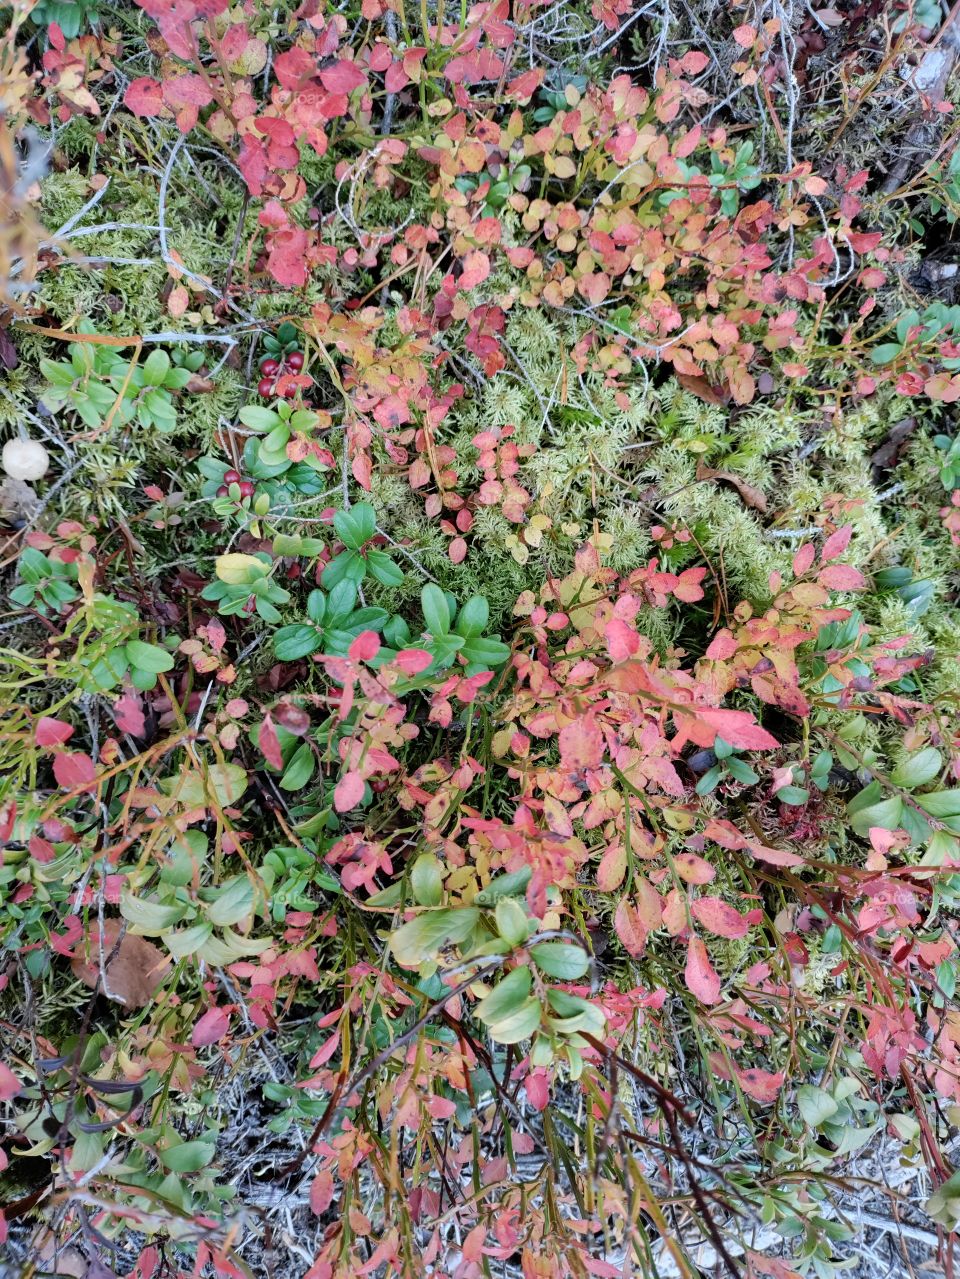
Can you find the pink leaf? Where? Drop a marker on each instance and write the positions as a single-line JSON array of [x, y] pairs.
[[321, 1191], [51, 732], [759, 1084], [700, 976], [581, 744], [342, 77], [836, 544], [365, 647], [457, 550], [187, 90], [537, 1087], [413, 660], [10, 1085], [476, 268], [739, 728], [270, 743], [211, 1028], [349, 792], [719, 917], [128, 712], [803, 559], [622, 640], [74, 770], [841, 577], [612, 868], [693, 869], [694, 62], [630, 927], [144, 96]]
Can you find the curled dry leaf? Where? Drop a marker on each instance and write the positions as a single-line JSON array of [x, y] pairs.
[[134, 972], [752, 497]]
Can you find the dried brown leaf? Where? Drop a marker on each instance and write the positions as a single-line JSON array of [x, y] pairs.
[[135, 971]]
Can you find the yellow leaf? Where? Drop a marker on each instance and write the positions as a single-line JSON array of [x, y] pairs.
[[239, 570]]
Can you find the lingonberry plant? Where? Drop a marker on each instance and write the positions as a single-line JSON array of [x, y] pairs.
[[480, 777]]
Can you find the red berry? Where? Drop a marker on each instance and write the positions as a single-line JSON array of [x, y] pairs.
[[295, 361], [289, 392], [231, 477], [250, 605], [247, 488], [265, 387], [222, 491], [293, 571], [270, 367]]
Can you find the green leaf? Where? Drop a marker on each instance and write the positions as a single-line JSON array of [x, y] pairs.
[[506, 997], [189, 1156], [223, 784], [485, 652], [340, 602], [436, 614], [816, 1105], [156, 367], [233, 902], [520, 1025], [473, 617], [383, 568], [871, 808], [425, 935], [299, 640], [886, 352], [300, 768], [148, 657], [186, 941], [504, 886], [793, 795], [357, 526], [348, 566], [149, 918], [559, 960], [918, 769], [940, 803], [513, 924], [259, 418], [426, 880]]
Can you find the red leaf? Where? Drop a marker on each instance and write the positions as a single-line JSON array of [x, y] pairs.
[[803, 559], [128, 713], [211, 1027], [761, 1085], [342, 77], [719, 917], [836, 544], [349, 792], [694, 62], [10, 1085], [144, 96], [700, 976], [321, 1191], [270, 743], [476, 268], [51, 732], [841, 577], [537, 1087], [365, 647], [581, 745], [187, 90], [739, 728], [629, 927], [693, 869], [74, 770], [622, 640], [413, 660]]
